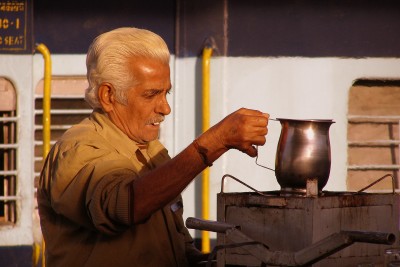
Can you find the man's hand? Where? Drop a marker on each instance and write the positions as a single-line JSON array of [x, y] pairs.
[[242, 130]]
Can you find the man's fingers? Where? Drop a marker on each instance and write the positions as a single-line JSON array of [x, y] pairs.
[[251, 151], [253, 112]]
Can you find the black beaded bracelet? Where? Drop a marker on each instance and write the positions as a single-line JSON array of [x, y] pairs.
[[202, 152]]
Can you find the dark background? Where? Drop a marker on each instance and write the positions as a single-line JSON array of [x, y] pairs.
[[309, 28], [68, 27]]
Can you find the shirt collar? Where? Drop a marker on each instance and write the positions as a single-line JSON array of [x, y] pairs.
[[122, 143]]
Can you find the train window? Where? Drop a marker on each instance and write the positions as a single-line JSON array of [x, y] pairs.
[[373, 134], [68, 107], [8, 153]]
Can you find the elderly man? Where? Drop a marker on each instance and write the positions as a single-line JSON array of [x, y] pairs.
[[109, 194]]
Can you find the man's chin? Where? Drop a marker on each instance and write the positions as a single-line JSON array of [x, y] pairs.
[[151, 137]]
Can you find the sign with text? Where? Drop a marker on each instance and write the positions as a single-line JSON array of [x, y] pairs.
[[16, 26]]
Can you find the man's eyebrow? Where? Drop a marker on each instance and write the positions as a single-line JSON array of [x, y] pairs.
[[155, 91], [152, 91]]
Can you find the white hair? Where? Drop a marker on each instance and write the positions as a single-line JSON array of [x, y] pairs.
[[109, 56]]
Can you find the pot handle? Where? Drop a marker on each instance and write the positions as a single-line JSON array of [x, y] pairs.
[[271, 119], [260, 164]]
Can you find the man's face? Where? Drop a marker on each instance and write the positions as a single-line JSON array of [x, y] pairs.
[[147, 103]]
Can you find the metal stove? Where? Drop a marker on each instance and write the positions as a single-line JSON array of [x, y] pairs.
[[278, 228]]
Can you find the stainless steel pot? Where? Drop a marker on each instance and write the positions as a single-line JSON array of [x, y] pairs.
[[303, 153]]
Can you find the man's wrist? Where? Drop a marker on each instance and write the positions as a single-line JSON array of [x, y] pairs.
[[202, 151]]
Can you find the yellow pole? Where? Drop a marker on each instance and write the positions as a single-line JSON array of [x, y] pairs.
[[205, 237], [46, 98], [45, 121]]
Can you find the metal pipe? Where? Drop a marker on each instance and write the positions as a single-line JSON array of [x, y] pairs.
[[46, 98], [373, 119], [218, 227], [8, 173], [207, 53], [373, 167], [374, 143], [306, 256], [371, 237], [66, 111], [339, 241], [46, 125], [9, 146], [8, 119]]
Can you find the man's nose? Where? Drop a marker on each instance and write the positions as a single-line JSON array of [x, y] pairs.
[[163, 107]]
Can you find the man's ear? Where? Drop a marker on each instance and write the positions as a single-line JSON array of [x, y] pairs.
[[106, 96]]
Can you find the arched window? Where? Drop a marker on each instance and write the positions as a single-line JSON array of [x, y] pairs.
[[8, 152], [373, 134]]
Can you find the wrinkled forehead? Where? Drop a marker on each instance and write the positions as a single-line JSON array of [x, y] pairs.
[[149, 69]]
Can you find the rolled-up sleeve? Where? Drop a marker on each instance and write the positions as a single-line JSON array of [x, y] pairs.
[[94, 190], [109, 202]]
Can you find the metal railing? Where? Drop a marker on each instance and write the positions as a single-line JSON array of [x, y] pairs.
[[364, 119]]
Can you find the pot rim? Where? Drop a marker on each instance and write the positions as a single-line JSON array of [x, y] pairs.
[[307, 120]]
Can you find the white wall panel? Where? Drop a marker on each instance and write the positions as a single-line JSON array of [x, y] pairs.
[[18, 69], [298, 88]]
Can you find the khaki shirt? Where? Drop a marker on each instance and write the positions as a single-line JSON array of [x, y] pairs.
[[85, 198]]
